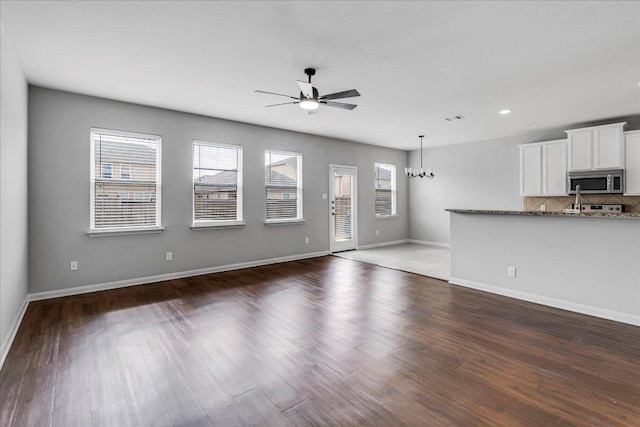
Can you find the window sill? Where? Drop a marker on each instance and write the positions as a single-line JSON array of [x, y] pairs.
[[386, 216], [271, 223], [218, 225], [124, 231]]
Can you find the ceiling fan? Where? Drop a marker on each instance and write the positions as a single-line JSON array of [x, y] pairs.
[[310, 98]]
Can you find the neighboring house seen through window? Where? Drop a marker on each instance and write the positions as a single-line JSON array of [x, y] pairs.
[[283, 185], [217, 183], [106, 170], [385, 189], [125, 172], [131, 201]]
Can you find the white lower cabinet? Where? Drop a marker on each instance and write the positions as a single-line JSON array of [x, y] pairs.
[[632, 163], [543, 168]]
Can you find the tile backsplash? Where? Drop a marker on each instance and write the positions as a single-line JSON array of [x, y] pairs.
[[632, 203]]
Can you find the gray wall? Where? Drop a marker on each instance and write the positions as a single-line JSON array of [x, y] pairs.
[[474, 175], [59, 193], [13, 188]]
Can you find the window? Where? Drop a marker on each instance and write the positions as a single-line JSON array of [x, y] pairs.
[[131, 202], [125, 172], [106, 170], [217, 183], [283, 184], [385, 197]]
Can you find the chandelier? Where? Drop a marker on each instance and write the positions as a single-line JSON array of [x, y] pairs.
[[419, 173]]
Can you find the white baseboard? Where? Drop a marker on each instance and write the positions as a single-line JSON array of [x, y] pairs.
[[6, 344], [551, 302], [169, 276], [425, 242], [382, 244]]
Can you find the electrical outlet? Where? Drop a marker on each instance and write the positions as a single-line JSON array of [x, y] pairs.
[[169, 256], [306, 240], [511, 271], [543, 208], [377, 232], [73, 265], [324, 196]]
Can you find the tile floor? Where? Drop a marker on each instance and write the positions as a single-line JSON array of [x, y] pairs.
[[432, 261]]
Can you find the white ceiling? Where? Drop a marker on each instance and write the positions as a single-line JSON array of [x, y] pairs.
[[415, 63]]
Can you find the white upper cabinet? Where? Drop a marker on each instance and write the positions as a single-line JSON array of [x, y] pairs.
[[632, 163], [581, 150], [543, 168], [554, 168], [596, 147], [531, 170]]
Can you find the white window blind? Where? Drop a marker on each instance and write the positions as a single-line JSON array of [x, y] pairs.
[[217, 183], [283, 183], [385, 189], [130, 199]]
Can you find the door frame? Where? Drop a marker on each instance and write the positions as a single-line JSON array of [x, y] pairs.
[[354, 201]]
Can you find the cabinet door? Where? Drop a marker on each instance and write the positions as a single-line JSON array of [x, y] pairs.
[[607, 148], [531, 170], [554, 168], [632, 168], [581, 150]]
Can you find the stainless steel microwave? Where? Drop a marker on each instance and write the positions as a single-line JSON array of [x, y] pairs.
[[610, 181]]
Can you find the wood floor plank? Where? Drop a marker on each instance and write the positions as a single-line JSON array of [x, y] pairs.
[[217, 403], [323, 341], [261, 409], [305, 414], [36, 394], [182, 405]]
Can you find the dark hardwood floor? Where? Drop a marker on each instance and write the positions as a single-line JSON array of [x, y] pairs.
[[324, 341]]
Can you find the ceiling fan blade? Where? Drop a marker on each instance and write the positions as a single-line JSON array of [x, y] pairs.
[[306, 89], [279, 94], [345, 94], [284, 103], [342, 105]]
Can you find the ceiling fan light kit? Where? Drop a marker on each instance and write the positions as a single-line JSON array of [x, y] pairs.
[[310, 99], [419, 173], [309, 104]]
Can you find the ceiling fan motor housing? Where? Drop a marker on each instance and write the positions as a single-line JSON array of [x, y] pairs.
[[315, 95]]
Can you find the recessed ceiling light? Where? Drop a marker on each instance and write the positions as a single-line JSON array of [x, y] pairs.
[[503, 112], [529, 123]]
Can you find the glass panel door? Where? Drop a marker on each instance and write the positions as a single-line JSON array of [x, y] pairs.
[[342, 208]]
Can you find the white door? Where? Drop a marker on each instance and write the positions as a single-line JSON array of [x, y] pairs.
[[342, 208]]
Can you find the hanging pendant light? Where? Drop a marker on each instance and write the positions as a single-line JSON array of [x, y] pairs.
[[419, 173]]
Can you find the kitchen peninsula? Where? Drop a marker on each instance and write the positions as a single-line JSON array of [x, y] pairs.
[[585, 262]]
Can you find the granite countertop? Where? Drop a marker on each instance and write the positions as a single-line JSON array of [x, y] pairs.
[[545, 213]]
